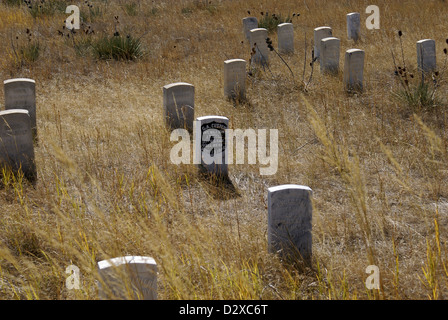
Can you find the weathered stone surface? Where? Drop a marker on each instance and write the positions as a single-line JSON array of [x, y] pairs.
[[354, 69], [285, 36], [354, 26], [178, 105], [235, 78], [128, 277], [258, 38], [16, 142], [319, 34], [289, 221], [20, 93], [249, 23], [426, 55], [329, 56]]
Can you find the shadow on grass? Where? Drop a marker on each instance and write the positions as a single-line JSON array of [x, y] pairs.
[[219, 186]]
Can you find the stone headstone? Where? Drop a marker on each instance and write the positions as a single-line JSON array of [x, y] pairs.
[[329, 55], [210, 139], [249, 23], [178, 105], [235, 78], [128, 278], [16, 143], [354, 26], [354, 69], [285, 36], [289, 221], [258, 38], [426, 55], [319, 34], [20, 93]]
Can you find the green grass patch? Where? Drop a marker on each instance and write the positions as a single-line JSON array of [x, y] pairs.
[[271, 21], [118, 47]]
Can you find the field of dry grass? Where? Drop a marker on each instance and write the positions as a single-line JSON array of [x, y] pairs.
[[377, 164]]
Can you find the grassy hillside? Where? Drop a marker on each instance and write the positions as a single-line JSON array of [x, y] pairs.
[[377, 161]]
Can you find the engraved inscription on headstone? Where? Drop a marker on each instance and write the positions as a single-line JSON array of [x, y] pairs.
[[128, 277], [20, 93], [211, 145], [289, 221], [16, 143], [178, 105]]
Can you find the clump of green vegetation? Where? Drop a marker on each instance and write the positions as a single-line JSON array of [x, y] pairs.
[[421, 96], [26, 50], [271, 21], [117, 47]]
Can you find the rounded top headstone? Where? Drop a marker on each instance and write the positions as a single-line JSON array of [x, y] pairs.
[[354, 50], [258, 29], [211, 117], [14, 111], [284, 24], [329, 39], [322, 28], [168, 86], [288, 187], [234, 60], [18, 80], [115, 262], [424, 40]]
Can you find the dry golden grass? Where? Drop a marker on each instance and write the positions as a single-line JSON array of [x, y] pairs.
[[106, 186]]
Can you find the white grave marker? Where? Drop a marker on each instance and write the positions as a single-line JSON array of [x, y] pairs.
[[285, 35], [258, 38], [289, 221], [16, 142], [354, 69], [354, 26], [20, 93], [249, 23], [329, 55], [128, 277], [235, 78], [319, 34], [211, 147], [178, 105], [426, 55]]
